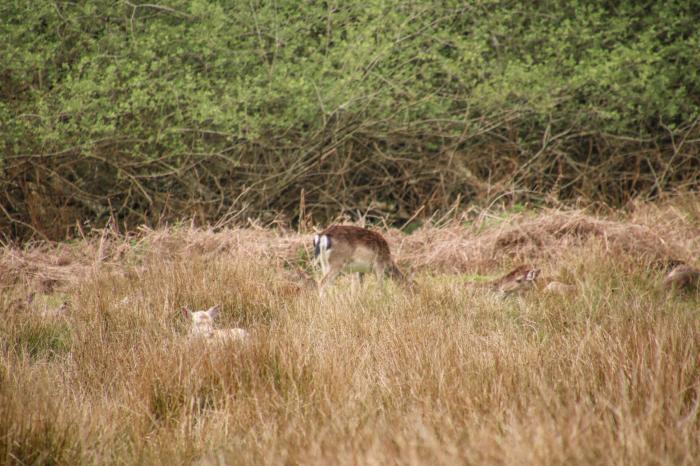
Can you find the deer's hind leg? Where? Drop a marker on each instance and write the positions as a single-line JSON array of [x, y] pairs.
[[380, 273]]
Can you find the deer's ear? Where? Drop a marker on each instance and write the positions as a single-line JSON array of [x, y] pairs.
[[187, 313], [213, 311]]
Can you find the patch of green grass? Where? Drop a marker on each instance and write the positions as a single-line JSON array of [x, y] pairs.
[[137, 250], [517, 208], [303, 260], [55, 299], [475, 277], [496, 217], [412, 226], [43, 339]]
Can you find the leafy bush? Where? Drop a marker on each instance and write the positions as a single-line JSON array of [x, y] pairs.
[[211, 109]]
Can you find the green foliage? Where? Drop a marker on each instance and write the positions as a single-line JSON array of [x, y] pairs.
[[200, 107]]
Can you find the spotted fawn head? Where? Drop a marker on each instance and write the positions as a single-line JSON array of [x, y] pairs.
[[519, 280]]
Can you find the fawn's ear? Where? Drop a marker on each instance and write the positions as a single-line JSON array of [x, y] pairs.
[[532, 275], [213, 311], [187, 313]]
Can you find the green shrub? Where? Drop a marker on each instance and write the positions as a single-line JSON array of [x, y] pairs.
[[151, 112]]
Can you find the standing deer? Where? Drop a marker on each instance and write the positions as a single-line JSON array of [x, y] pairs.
[[353, 249]]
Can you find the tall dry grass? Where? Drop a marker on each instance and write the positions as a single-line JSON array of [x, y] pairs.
[[449, 374]]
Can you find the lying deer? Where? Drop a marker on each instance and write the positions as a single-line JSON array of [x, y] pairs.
[[682, 277], [203, 326], [516, 281], [354, 249], [555, 287], [524, 278]]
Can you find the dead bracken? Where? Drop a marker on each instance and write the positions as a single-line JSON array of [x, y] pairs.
[[652, 234]]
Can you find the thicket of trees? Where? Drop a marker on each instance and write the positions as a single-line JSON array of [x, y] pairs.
[[214, 109]]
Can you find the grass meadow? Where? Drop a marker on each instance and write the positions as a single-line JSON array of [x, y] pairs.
[[447, 374]]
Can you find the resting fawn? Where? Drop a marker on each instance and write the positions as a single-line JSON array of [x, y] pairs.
[[203, 326], [564, 289], [516, 281]]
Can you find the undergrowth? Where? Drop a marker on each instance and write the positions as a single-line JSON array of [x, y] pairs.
[[450, 373]]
